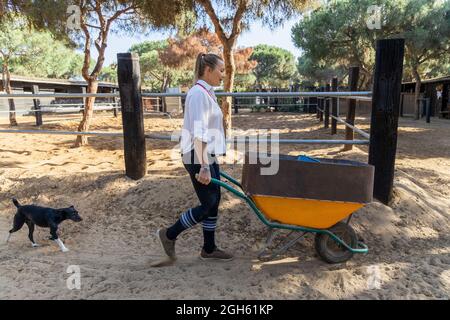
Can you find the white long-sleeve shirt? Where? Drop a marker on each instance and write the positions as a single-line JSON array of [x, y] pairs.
[[203, 119]]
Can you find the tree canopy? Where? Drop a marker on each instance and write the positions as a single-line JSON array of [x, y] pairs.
[[171, 61], [96, 20], [154, 73], [312, 71], [229, 18], [331, 36], [25, 51], [275, 65]]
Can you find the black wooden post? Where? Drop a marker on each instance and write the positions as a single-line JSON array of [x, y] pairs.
[[236, 108], [276, 100], [37, 106], [427, 109], [334, 83], [444, 97], [322, 105], [129, 78], [351, 111], [421, 103], [115, 103], [402, 98], [313, 101], [326, 122], [318, 105], [430, 92], [160, 104], [385, 112]]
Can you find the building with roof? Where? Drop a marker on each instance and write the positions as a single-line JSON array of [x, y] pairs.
[[436, 89], [21, 84]]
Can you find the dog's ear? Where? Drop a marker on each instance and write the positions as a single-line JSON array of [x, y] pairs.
[[72, 207]]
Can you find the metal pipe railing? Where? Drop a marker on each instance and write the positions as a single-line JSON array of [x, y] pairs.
[[60, 109], [218, 94], [354, 128], [237, 139], [59, 95]]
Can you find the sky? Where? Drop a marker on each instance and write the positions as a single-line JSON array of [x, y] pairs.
[[258, 34]]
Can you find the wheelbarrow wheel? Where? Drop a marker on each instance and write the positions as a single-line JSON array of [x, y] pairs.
[[331, 251]]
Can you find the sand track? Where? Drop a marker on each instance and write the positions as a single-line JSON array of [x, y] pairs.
[[115, 244]]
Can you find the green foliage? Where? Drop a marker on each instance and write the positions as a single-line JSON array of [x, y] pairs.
[[331, 36], [109, 73], [425, 25], [243, 82], [98, 19], [271, 13], [154, 73], [276, 66], [167, 13], [149, 46], [12, 40], [37, 54], [46, 15], [319, 73]]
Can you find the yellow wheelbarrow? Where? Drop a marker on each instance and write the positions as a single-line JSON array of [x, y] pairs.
[[307, 196]]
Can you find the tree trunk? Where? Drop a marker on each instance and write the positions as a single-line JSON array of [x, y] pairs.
[[87, 114], [230, 69], [164, 85], [8, 89], [101, 44], [353, 77], [365, 81], [417, 93]]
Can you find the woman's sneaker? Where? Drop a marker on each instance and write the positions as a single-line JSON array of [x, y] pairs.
[[217, 254], [167, 245]]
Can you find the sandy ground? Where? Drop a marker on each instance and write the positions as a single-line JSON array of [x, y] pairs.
[[114, 245]]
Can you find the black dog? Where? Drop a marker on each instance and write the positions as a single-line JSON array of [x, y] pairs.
[[42, 217]]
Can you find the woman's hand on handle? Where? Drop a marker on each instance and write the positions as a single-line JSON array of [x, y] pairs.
[[204, 176]]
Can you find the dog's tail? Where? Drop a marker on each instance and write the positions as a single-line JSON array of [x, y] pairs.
[[16, 203]]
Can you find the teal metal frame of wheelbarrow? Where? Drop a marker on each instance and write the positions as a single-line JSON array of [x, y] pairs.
[[362, 248]]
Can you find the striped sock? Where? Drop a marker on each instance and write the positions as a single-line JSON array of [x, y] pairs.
[[209, 230], [186, 221]]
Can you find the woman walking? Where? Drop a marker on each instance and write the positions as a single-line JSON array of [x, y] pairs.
[[202, 140]]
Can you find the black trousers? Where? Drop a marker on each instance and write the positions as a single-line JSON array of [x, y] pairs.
[[208, 195]]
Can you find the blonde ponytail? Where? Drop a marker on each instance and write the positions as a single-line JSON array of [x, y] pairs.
[[205, 60]]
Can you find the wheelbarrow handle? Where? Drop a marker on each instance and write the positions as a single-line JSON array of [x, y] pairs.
[[231, 179], [362, 248], [229, 188]]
